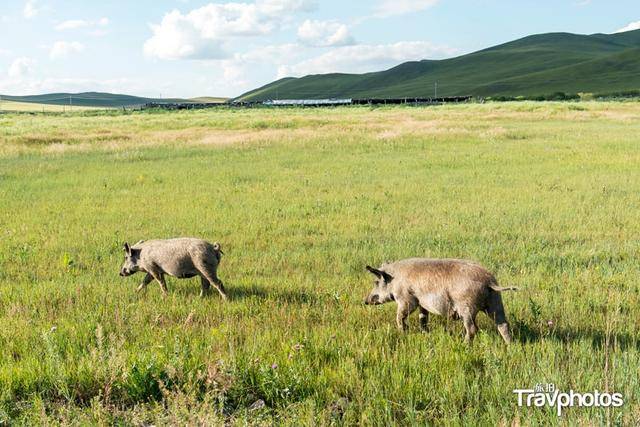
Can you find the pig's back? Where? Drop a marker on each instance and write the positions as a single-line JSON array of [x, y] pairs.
[[177, 252], [438, 274]]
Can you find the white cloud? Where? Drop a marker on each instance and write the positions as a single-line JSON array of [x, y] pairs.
[[21, 68], [234, 74], [324, 33], [365, 58], [284, 7], [74, 24], [242, 69], [62, 49], [30, 9], [183, 37], [202, 33], [401, 7], [630, 27], [99, 33]]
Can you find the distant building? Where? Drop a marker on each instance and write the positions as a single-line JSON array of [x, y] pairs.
[[329, 101]]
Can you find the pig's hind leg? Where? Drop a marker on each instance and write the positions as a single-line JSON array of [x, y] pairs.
[[206, 286], [217, 283], [208, 272], [495, 310]]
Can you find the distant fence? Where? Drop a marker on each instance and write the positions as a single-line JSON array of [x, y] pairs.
[[439, 100], [328, 102]]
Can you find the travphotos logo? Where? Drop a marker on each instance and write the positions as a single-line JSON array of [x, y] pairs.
[[549, 395]]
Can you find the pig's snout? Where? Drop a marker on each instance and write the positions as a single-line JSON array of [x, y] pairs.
[[124, 272], [372, 300]]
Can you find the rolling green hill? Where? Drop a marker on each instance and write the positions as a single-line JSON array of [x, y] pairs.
[[533, 65], [99, 99]]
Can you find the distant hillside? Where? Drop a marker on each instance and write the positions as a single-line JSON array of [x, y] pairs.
[[534, 65], [99, 99]]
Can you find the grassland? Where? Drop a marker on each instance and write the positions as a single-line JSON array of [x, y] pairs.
[[545, 195]]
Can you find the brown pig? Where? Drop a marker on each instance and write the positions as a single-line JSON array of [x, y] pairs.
[[455, 288]]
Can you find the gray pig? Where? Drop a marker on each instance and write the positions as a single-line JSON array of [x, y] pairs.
[[182, 258], [449, 287]]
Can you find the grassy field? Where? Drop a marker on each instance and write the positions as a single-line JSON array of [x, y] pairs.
[[544, 194]]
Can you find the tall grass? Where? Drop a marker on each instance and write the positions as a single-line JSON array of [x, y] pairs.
[[544, 195]]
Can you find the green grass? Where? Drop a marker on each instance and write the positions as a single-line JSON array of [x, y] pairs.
[[535, 65], [544, 194]]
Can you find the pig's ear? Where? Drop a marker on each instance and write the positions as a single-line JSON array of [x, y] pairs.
[[374, 271], [386, 276], [380, 273], [127, 248]]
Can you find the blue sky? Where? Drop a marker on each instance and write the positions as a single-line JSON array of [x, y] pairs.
[[184, 48]]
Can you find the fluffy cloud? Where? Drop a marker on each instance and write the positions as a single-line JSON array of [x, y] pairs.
[[21, 67], [203, 32], [74, 24], [324, 33], [243, 69], [63, 49], [630, 27], [400, 7], [30, 9], [364, 58], [271, 54]]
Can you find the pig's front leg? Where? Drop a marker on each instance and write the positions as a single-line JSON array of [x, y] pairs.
[[405, 308], [147, 279], [424, 319], [159, 276]]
